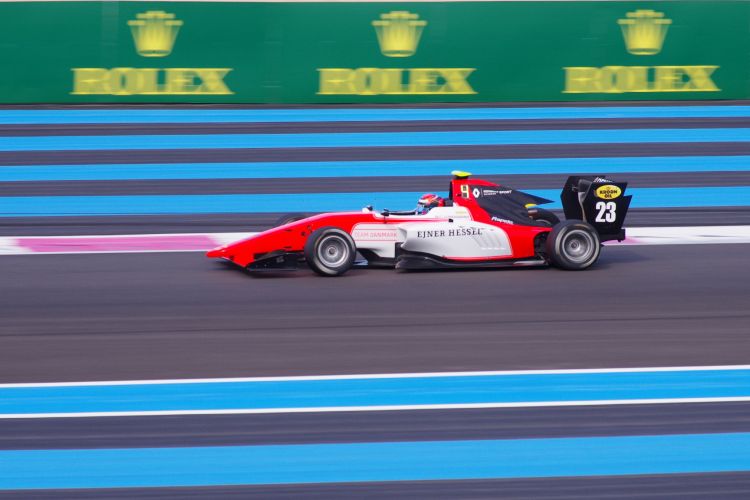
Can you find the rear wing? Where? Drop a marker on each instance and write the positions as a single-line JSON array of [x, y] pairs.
[[599, 201]]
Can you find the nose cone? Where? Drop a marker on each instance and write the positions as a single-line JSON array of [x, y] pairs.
[[217, 252]]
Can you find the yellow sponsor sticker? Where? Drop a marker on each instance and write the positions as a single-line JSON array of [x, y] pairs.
[[608, 192]]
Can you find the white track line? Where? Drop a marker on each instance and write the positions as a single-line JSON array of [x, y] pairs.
[[332, 409], [329, 409], [362, 376], [689, 235]]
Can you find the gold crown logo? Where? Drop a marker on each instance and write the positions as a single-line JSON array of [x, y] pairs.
[[644, 31], [154, 33], [398, 33]]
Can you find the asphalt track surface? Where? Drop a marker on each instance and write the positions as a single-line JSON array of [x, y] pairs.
[[180, 315], [377, 426], [373, 153], [333, 127], [118, 224], [426, 183]]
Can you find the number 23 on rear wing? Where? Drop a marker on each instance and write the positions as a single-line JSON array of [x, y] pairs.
[[599, 201]]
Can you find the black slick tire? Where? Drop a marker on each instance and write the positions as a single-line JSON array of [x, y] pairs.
[[543, 215], [330, 251], [573, 245], [288, 218]]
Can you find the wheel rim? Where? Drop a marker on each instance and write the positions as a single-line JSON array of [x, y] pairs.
[[333, 251], [578, 246]]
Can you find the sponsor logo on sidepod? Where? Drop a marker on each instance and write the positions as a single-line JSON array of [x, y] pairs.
[[608, 192], [450, 233], [506, 221]]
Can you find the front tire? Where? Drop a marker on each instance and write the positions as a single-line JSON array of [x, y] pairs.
[[330, 251], [573, 245]]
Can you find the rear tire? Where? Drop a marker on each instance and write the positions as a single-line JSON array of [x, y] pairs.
[[288, 218], [330, 251], [573, 245], [545, 216]]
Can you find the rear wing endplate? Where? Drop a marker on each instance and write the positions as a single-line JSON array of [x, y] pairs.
[[599, 201]]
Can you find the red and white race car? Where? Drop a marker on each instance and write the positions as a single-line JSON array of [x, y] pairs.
[[479, 224]]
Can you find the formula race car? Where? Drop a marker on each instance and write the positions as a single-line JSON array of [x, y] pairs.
[[479, 224]]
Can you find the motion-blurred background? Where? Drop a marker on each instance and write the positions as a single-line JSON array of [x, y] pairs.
[[135, 135]]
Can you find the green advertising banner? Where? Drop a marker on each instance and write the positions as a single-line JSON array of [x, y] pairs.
[[363, 52]]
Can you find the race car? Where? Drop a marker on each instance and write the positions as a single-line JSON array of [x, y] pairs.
[[478, 224]]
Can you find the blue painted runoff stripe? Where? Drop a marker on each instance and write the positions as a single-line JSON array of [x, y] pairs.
[[26, 206], [370, 139], [374, 392], [401, 168], [390, 461], [53, 117]]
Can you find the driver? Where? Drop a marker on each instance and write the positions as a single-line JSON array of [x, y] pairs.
[[429, 201]]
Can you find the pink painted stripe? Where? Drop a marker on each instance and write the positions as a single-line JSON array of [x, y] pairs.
[[141, 243]]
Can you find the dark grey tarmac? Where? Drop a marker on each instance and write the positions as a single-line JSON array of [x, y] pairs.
[[364, 126], [181, 315], [373, 153], [435, 183], [382, 426]]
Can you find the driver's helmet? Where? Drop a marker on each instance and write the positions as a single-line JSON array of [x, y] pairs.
[[429, 201]]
